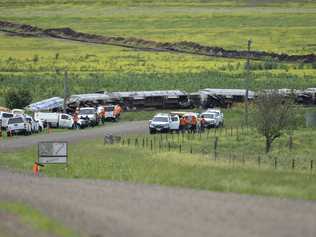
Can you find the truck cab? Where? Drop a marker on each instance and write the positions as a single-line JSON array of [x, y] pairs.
[[4, 118]]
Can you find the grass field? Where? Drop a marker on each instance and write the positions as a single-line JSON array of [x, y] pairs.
[[92, 159], [28, 218], [239, 163], [279, 26]]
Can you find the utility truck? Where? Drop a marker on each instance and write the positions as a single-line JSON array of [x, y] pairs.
[[55, 120]]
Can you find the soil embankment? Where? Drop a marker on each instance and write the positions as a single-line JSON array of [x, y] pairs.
[[142, 44]]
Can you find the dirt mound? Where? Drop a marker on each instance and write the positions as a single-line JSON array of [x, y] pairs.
[[182, 46]]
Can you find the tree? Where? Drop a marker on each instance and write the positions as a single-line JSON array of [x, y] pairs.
[[18, 98], [274, 114]]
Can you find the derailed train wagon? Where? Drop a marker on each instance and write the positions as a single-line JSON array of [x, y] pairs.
[[223, 98], [153, 99]]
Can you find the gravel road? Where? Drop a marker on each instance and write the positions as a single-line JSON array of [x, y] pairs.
[[103, 208], [121, 128]]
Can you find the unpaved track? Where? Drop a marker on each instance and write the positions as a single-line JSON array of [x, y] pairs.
[[121, 128], [103, 208]]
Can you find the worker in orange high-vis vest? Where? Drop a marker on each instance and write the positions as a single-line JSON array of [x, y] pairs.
[[117, 111], [102, 115], [182, 124], [36, 168], [193, 124]]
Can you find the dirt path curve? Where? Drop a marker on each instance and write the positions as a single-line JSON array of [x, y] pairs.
[[104, 208], [121, 128]]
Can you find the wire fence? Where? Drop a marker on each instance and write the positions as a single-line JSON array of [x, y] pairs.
[[189, 143]]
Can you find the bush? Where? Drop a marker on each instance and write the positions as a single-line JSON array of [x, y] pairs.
[[18, 98]]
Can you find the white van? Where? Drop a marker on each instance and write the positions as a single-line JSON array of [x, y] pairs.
[[4, 117], [55, 120]]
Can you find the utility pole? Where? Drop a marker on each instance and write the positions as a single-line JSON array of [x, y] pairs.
[[247, 83], [66, 92]]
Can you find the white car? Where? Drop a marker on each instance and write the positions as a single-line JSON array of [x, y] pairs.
[[164, 123], [19, 125], [4, 117]]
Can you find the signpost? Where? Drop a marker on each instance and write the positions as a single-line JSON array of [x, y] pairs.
[[53, 152]]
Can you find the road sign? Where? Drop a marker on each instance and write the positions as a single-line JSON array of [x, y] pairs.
[[52, 152]]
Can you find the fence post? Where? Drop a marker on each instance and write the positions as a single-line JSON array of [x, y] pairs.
[[136, 141], [293, 164], [215, 147], [180, 147], [275, 162], [151, 144], [312, 165], [231, 131], [259, 161], [290, 143], [143, 142], [128, 141], [191, 151], [168, 146]]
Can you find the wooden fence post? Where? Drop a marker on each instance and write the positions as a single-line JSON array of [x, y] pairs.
[[275, 162], [215, 147], [293, 164], [290, 142]]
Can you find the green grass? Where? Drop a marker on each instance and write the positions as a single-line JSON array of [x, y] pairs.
[[280, 26], [35, 219], [94, 160]]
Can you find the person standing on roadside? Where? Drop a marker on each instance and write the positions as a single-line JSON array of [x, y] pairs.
[[75, 118], [117, 111], [182, 124], [193, 124], [202, 123]]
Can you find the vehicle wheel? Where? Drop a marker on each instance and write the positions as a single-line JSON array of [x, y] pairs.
[[152, 131]]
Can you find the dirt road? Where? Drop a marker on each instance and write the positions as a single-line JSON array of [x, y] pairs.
[[103, 208], [122, 128]]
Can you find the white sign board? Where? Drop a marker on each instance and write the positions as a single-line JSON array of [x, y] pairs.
[[52, 152]]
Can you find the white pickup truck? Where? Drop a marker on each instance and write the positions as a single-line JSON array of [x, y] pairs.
[[17, 125], [164, 123], [56, 120], [213, 118]]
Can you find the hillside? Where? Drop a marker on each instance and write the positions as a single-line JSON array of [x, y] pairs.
[[283, 27]]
